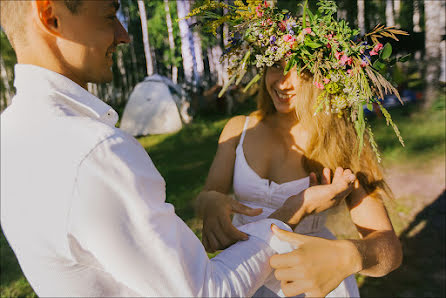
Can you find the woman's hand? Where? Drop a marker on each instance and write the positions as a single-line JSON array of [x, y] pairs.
[[316, 198], [216, 209], [316, 267]]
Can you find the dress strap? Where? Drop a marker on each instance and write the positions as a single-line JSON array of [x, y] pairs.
[[244, 130]]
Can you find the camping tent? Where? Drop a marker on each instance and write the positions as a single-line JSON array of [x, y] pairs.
[[153, 108]]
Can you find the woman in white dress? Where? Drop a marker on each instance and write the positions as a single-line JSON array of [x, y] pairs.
[[316, 76], [263, 159]]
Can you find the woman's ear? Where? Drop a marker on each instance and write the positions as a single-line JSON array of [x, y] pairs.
[[47, 17]]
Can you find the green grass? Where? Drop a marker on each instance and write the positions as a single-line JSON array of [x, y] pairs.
[[423, 133], [184, 158]]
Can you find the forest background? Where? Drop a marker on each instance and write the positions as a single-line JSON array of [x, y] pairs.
[[191, 58]]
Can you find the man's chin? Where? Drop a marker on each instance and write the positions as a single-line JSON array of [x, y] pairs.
[[102, 79]]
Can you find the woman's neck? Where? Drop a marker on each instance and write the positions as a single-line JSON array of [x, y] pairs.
[[284, 122]]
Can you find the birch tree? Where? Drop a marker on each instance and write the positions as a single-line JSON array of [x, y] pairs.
[[6, 92], [187, 44], [174, 68], [390, 19], [397, 10], [361, 16], [434, 30], [145, 34], [416, 16]]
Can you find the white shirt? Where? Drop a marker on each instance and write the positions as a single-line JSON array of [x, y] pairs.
[[83, 206]]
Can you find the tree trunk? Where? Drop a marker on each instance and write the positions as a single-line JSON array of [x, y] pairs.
[[434, 29], [361, 16], [416, 16], [6, 92], [390, 19], [187, 44], [145, 35], [198, 58], [174, 68], [397, 10]]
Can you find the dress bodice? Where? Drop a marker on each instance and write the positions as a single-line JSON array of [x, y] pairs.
[[256, 192]]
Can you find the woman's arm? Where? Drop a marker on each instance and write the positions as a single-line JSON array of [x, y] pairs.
[[213, 203], [379, 247], [318, 265]]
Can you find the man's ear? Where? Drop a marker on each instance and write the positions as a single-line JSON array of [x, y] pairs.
[[46, 15]]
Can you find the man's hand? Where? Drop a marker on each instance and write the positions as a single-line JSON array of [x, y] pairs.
[[218, 231], [316, 267]]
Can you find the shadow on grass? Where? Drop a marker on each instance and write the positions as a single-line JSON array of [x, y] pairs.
[[423, 272]]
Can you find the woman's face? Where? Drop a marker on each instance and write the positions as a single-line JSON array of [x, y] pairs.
[[282, 88]]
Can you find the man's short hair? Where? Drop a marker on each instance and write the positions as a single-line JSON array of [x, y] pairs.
[[13, 14]]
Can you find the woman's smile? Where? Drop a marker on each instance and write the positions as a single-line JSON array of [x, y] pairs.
[[283, 97]]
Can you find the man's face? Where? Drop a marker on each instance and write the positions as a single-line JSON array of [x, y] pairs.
[[89, 39]]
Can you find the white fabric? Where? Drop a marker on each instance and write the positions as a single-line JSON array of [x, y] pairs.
[[83, 206], [256, 192]]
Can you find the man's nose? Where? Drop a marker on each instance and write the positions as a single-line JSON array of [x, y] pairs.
[[121, 35]]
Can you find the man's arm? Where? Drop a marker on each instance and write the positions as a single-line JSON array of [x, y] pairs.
[[119, 215]]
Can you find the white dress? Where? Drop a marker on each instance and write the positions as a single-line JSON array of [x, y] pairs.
[[256, 192]]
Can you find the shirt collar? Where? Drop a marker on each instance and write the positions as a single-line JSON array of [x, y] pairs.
[[35, 79]]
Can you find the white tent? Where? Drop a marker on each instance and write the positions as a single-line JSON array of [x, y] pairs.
[[153, 108]]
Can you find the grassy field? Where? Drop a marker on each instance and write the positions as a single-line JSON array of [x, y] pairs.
[[184, 158]]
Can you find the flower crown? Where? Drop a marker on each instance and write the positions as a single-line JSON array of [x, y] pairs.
[[344, 66]]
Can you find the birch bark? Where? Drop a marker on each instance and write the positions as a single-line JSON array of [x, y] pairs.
[[145, 35]]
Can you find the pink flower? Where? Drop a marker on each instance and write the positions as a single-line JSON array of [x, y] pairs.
[[265, 4], [269, 21], [318, 85], [378, 47], [349, 71], [326, 80], [345, 60], [373, 53], [308, 30], [364, 63], [289, 38], [282, 26], [330, 36], [329, 45], [338, 55], [259, 11], [361, 51]]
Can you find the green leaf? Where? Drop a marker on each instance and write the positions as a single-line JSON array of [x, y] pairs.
[[253, 81], [378, 65], [386, 52], [304, 16], [290, 64], [310, 15], [313, 45], [370, 107], [405, 58]]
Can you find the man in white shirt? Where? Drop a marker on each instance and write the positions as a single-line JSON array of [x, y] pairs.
[[83, 206]]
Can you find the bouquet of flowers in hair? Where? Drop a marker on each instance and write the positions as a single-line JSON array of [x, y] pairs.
[[346, 67]]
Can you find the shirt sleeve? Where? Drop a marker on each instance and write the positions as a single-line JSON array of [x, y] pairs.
[[119, 216]]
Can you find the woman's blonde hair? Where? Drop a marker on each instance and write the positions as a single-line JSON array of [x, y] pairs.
[[333, 141]]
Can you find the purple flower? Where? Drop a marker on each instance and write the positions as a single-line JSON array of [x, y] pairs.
[[291, 32], [272, 40], [261, 36], [274, 49]]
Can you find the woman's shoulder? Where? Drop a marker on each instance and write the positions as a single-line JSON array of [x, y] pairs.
[[234, 128]]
